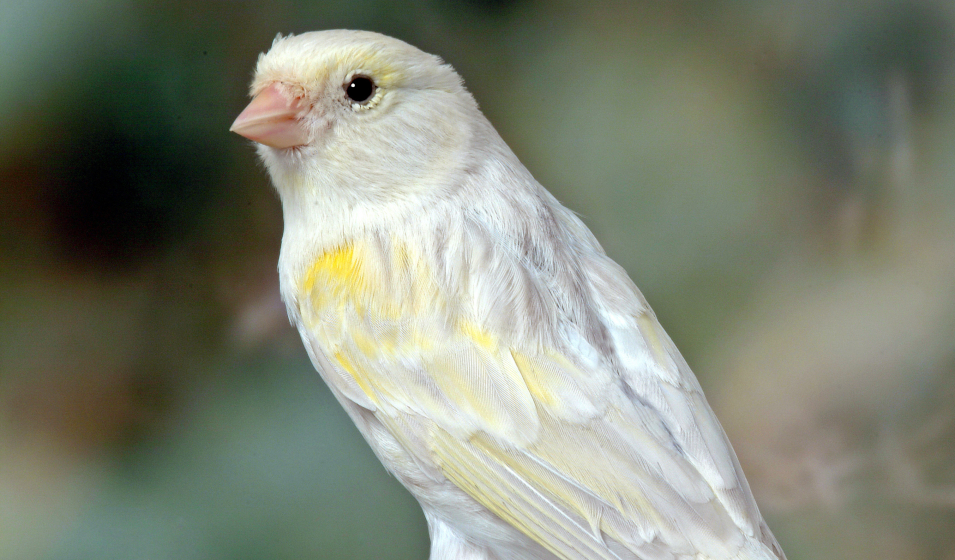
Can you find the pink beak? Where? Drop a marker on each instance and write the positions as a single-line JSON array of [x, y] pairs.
[[272, 119]]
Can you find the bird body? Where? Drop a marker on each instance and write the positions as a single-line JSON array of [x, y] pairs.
[[497, 361]]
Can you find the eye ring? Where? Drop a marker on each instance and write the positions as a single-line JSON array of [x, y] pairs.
[[360, 89]]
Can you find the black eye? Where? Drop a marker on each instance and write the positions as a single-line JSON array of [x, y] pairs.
[[360, 89]]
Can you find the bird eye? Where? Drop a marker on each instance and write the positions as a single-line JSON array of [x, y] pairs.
[[360, 89]]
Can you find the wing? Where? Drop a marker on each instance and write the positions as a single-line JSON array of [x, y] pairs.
[[594, 450]]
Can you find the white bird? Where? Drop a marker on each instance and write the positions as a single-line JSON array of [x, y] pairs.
[[500, 365]]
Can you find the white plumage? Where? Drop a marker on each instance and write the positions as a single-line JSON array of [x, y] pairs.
[[501, 366]]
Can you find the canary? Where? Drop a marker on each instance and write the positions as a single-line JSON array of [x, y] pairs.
[[498, 362]]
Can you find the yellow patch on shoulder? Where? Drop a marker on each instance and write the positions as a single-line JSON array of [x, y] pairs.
[[334, 270], [370, 302], [380, 279], [338, 262], [347, 277]]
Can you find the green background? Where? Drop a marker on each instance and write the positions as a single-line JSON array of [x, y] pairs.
[[777, 177]]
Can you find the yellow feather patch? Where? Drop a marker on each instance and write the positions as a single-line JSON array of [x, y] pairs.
[[349, 367], [335, 276], [369, 301], [502, 483], [370, 62], [353, 276], [480, 336], [649, 329], [556, 384], [541, 391]]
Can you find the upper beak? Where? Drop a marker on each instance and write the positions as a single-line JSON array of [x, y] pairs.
[[272, 119]]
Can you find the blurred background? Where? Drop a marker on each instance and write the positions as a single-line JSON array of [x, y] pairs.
[[777, 177]]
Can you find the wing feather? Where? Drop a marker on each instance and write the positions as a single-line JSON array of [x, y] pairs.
[[594, 444], [568, 465]]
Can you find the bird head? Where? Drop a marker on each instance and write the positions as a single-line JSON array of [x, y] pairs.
[[356, 111]]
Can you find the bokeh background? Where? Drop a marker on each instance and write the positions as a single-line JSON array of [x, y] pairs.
[[777, 177]]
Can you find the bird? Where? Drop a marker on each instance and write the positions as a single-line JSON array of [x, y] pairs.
[[500, 365]]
